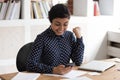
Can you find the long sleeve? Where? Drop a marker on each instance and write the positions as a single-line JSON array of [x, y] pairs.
[[34, 63], [78, 51]]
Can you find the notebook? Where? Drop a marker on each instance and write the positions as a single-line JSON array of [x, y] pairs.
[[95, 65]]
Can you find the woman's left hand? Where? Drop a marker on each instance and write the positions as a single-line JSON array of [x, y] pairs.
[[77, 32]]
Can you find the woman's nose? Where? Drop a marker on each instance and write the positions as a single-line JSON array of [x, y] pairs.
[[61, 28]]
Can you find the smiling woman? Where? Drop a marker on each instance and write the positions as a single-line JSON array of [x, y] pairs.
[[53, 48]]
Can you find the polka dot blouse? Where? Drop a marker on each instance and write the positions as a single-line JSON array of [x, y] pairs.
[[50, 50]]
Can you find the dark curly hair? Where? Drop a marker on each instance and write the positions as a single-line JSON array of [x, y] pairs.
[[58, 11]]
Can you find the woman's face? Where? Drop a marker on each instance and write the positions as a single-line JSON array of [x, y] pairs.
[[59, 25]]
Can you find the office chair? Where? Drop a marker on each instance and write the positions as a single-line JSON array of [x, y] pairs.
[[22, 56]]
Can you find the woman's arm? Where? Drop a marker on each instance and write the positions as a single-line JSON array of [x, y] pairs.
[[78, 47], [34, 63]]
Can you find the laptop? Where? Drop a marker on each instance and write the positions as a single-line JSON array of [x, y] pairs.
[[97, 65]]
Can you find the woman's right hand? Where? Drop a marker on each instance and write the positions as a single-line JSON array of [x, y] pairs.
[[61, 69]]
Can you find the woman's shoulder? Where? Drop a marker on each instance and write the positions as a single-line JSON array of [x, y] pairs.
[[69, 32], [43, 33]]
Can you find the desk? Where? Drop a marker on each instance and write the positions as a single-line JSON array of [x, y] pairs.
[[110, 74]]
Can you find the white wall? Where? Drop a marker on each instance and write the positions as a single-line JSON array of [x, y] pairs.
[[96, 40], [96, 47]]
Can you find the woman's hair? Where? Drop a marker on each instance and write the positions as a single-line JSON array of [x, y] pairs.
[[58, 11]]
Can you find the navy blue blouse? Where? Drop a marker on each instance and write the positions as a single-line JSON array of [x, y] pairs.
[[50, 50]]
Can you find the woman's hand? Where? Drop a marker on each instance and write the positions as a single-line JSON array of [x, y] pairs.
[[77, 32], [61, 69]]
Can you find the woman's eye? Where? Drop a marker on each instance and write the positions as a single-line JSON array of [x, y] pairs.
[[66, 24], [57, 24], [61, 25]]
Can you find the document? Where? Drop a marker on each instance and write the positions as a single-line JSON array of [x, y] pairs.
[[71, 74], [74, 73], [79, 78], [26, 76]]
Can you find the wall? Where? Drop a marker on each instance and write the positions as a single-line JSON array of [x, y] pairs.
[[97, 27]]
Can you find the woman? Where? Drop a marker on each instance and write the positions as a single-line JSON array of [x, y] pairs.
[[54, 48]]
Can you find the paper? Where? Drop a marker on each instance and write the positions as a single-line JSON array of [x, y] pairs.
[[80, 78], [26, 76], [94, 73], [56, 75], [71, 74], [74, 73]]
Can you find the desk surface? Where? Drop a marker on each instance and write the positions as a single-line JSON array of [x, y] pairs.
[[110, 74]]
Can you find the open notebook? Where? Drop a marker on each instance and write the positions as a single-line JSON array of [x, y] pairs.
[[95, 65]]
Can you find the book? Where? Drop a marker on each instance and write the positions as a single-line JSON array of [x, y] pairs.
[[0, 6], [45, 8], [31, 11], [96, 65], [10, 9], [2, 0], [16, 11], [35, 10], [96, 9], [4, 10], [38, 10], [42, 9]]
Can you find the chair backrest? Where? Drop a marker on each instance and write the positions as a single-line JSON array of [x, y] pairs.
[[22, 56]]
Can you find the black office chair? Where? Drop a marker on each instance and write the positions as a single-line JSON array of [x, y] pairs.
[[22, 56]]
